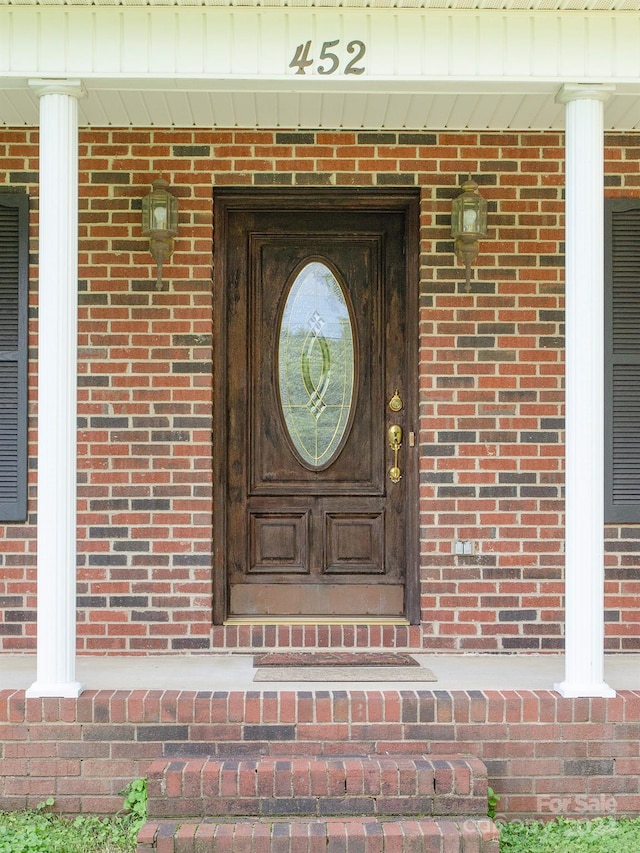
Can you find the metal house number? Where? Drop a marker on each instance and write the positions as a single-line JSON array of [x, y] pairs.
[[303, 58]]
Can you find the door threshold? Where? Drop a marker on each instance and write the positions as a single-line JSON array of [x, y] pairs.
[[317, 620]]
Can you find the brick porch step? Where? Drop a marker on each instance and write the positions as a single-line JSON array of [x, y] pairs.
[[272, 786], [331, 835], [334, 804]]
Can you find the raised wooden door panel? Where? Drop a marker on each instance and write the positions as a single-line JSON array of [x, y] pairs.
[[316, 306]]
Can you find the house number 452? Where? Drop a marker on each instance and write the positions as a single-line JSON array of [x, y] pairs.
[[330, 60]]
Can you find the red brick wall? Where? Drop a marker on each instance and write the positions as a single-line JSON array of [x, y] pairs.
[[491, 373], [545, 755]]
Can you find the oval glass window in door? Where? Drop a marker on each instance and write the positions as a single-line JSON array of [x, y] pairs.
[[316, 365]]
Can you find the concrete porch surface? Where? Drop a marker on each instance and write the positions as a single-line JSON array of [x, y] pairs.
[[235, 671]]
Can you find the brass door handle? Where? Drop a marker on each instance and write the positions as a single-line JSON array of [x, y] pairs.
[[395, 443]]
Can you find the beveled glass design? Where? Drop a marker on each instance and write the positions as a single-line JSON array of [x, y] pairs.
[[316, 365]]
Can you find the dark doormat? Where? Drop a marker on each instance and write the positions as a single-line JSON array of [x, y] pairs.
[[339, 666], [334, 659]]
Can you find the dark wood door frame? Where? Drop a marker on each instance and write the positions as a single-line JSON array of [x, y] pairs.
[[228, 200]]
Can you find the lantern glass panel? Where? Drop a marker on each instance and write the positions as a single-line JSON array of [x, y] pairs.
[[481, 221], [146, 215], [172, 214], [160, 215]]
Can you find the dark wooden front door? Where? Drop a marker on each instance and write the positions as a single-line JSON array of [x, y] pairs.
[[317, 318]]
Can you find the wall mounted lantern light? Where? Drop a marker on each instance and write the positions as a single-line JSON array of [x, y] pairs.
[[160, 224], [468, 225]]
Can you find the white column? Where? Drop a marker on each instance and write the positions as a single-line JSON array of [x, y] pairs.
[[57, 388], [584, 490]]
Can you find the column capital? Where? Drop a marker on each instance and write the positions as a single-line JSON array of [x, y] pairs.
[[60, 86], [584, 91]]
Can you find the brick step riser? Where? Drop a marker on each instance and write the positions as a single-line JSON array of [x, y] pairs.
[[269, 786], [331, 836], [285, 807]]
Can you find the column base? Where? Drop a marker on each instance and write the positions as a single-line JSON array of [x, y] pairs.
[[577, 690], [61, 689]]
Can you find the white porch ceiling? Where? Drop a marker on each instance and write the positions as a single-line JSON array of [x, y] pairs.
[[258, 105]]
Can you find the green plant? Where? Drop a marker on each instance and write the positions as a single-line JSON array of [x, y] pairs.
[[600, 835], [493, 800], [135, 804], [39, 830]]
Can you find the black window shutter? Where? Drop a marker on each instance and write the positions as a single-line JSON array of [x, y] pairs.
[[14, 227], [622, 360]]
